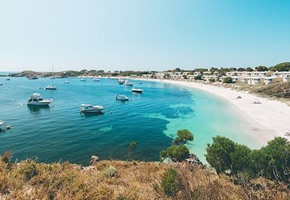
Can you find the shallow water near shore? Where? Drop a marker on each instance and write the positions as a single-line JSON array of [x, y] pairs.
[[61, 133]]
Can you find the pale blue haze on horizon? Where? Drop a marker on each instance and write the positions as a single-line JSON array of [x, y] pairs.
[[142, 34]]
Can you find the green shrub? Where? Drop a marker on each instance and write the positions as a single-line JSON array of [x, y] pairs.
[[170, 182], [110, 172], [228, 80], [28, 169], [6, 157], [198, 77]]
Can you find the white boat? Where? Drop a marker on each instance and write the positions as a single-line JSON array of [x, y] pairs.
[[37, 100], [2, 122], [122, 98], [128, 83], [96, 80], [66, 82], [137, 90], [121, 81], [88, 108], [50, 87]]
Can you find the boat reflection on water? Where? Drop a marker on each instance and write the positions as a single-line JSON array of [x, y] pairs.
[[37, 109], [92, 114]]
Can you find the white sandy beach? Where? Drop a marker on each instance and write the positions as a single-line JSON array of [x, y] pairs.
[[269, 116]]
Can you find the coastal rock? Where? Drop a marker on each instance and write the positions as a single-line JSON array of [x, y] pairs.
[[94, 159], [193, 160]]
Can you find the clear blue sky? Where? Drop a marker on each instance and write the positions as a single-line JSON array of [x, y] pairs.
[[142, 34]]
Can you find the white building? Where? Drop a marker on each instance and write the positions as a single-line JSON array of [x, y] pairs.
[[271, 79]]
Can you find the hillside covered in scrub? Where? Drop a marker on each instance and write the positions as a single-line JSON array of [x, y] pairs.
[[128, 180], [279, 90]]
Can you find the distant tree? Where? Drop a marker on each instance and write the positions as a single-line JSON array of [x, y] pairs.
[[213, 70], [83, 72], [101, 71], [166, 75], [228, 80], [177, 70], [190, 73], [198, 77], [184, 76], [261, 68], [249, 69], [241, 70], [285, 66], [201, 70]]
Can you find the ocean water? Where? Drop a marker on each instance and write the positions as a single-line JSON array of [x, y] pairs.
[[61, 133]]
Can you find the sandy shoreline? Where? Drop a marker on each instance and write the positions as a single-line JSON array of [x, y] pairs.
[[269, 116]]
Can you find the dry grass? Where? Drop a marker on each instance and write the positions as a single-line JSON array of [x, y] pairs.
[[279, 90], [124, 180]]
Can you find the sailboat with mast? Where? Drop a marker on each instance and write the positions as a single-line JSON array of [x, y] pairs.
[[51, 86]]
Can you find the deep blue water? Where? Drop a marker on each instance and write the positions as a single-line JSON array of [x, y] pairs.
[[61, 132]]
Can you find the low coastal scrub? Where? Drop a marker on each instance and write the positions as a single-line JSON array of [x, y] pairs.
[[127, 180], [277, 90], [239, 173]]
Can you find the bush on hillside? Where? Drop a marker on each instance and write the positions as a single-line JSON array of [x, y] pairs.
[[170, 182], [228, 80]]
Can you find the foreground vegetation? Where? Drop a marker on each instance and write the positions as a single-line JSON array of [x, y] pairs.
[[271, 161], [240, 173], [127, 180]]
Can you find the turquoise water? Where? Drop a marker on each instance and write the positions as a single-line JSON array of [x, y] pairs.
[[62, 133]]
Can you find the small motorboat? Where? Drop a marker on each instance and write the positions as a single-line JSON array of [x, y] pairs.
[[1, 123], [122, 98], [96, 80], [88, 108], [128, 83], [83, 79], [37, 100], [137, 90], [50, 87], [66, 82], [7, 79], [121, 81]]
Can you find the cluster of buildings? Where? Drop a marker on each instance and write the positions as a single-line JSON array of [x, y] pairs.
[[244, 77]]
